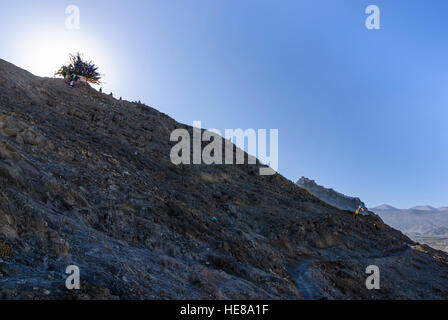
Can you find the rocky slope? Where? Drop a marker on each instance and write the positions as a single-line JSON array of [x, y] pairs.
[[86, 180], [330, 196]]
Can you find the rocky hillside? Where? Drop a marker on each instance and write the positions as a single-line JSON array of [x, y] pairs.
[[330, 196], [87, 180]]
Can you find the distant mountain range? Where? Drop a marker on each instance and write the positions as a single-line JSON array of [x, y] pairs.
[[418, 221], [422, 223], [386, 207]]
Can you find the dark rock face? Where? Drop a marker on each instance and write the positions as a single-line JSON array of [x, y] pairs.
[[86, 180], [330, 196]]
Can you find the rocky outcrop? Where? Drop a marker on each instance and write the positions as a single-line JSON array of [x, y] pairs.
[[330, 196], [87, 180]]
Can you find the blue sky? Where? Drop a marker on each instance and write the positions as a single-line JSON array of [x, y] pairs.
[[362, 111]]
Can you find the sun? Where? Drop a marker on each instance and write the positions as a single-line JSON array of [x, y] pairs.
[[46, 52]]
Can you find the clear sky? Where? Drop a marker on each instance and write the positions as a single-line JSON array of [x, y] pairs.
[[362, 111]]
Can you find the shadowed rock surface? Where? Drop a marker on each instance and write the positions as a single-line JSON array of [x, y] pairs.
[[332, 197], [87, 180]]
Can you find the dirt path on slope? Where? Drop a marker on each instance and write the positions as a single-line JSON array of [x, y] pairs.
[[304, 279], [304, 282]]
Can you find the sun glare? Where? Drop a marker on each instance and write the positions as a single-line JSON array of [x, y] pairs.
[[47, 52]]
